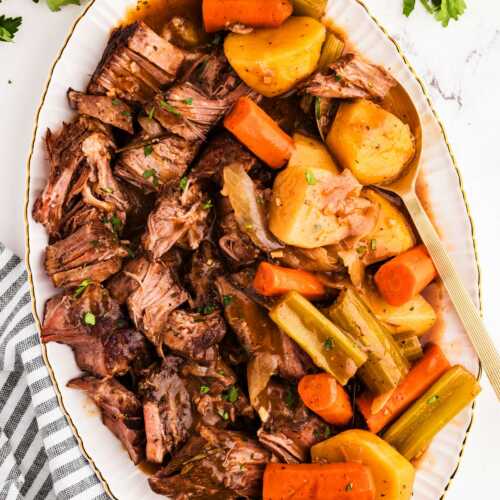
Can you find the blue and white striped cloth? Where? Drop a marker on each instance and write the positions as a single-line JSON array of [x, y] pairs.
[[39, 456]]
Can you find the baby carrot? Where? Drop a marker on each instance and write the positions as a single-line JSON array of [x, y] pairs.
[[340, 481], [271, 280], [405, 276], [421, 377], [221, 14], [323, 395], [259, 133]]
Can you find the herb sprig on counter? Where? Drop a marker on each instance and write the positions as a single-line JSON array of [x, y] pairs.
[[443, 10]]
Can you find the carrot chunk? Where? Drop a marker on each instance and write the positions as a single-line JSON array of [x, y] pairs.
[[271, 280], [259, 133], [323, 395], [340, 481], [221, 14], [405, 276], [425, 372]]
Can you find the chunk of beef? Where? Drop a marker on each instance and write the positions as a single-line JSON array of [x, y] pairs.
[[121, 411], [136, 64], [258, 334], [92, 252], [217, 464], [151, 292], [168, 415], [222, 151], [105, 349], [233, 241], [205, 267], [351, 77], [291, 429], [194, 335], [65, 155], [106, 109], [151, 169], [180, 217]]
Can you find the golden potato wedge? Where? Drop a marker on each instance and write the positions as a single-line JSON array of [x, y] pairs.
[[392, 234], [373, 143], [273, 61], [296, 216]]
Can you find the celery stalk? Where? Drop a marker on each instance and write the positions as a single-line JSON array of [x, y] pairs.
[[332, 50], [386, 366], [412, 433], [311, 8], [410, 346], [329, 347]]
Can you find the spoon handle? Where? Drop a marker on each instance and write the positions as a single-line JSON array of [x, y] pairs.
[[461, 299]]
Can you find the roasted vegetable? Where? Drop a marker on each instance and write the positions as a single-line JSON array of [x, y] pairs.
[[240, 189], [373, 143], [386, 366], [416, 317], [432, 366], [323, 395], [393, 474], [412, 433], [410, 346], [328, 346], [405, 276], [311, 8], [224, 14], [259, 133], [392, 235], [332, 50], [318, 481], [296, 215], [273, 61]]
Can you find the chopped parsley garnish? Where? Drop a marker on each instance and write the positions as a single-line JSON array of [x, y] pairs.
[[108, 190], [232, 394], [433, 399], [81, 288], [116, 223], [170, 108], [116, 102], [148, 150], [442, 10], [209, 309], [224, 414], [311, 180], [328, 344], [204, 389], [183, 183], [188, 101], [323, 433], [208, 205], [222, 372], [9, 27], [126, 113], [227, 299], [151, 174], [151, 113], [55, 5], [89, 319]]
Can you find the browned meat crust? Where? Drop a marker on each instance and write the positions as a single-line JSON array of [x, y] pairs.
[[106, 109], [136, 64], [92, 252], [121, 411], [351, 77], [217, 464]]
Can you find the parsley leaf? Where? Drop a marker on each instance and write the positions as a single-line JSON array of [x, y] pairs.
[[170, 108], [9, 27], [55, 5], [311, 180], [328, 344], [151, 174], [81, 288], [232, 394], [227, 299], [89, 319], [208, 205], [204, 389], [148, 150], [183, 183], [450, 9], [408, 7]]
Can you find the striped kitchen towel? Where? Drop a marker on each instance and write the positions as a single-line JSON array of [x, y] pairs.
[[39, 456]]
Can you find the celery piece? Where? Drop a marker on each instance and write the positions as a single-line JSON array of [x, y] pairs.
[[412, 433], [329, 347], [332, 50], [311, 8], [410, 346], [386, 366]]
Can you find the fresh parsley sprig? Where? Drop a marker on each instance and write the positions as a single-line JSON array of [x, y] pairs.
[[443, 10], [9, 27]]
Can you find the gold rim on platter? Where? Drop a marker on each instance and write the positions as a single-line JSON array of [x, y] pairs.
[[26, 224]]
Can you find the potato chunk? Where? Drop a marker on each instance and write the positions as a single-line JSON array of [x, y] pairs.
[[392, 234], [296, 215], [273, 61], [373, 143]]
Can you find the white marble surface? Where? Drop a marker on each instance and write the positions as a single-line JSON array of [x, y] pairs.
[[460, 66]]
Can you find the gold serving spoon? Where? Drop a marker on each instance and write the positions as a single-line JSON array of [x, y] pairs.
[[400, 104]]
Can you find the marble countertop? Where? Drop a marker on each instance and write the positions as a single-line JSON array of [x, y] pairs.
[[460, 66]]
